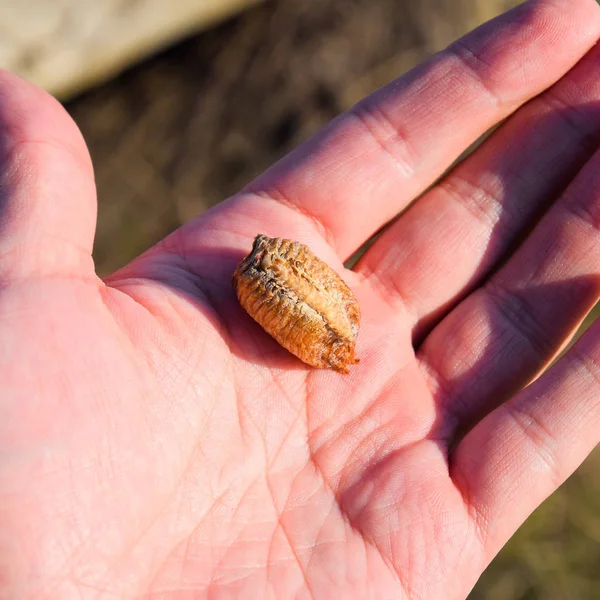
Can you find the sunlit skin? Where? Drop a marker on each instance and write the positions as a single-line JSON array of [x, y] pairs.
[[156, 443]]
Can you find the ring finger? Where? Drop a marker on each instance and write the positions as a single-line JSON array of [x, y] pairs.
[[500, 338]]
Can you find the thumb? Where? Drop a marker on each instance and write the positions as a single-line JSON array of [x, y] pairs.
[[47, 192]]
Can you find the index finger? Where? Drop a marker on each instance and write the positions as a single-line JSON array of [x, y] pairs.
[[370, 162]]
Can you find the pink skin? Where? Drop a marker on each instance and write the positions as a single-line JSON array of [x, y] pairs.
[[155, 443]]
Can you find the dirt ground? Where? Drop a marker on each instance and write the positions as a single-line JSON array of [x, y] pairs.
[[189, 127]]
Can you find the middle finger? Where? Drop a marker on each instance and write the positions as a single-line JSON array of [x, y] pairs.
[[454, 236]]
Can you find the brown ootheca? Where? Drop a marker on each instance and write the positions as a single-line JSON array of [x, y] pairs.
[[300, 301]]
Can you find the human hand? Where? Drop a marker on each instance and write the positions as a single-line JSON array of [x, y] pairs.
[[156, 443]]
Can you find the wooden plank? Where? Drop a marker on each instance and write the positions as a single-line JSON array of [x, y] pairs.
[[66, 46]]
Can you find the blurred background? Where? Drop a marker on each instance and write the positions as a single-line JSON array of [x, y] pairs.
[[182, 102]]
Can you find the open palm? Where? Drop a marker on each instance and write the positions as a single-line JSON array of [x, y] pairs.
[[156, 443]]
